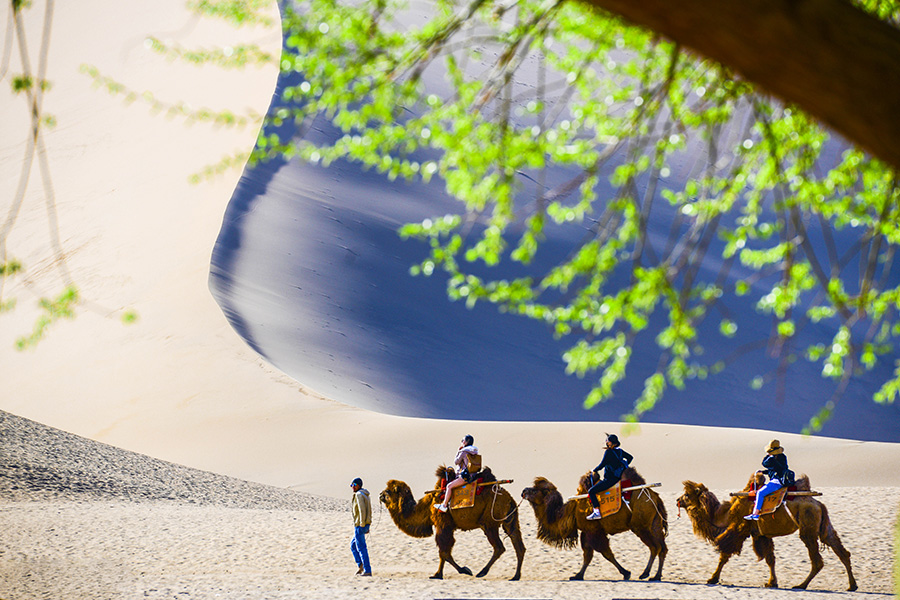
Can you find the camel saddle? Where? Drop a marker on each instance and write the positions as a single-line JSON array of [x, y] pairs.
[[463, 496], [772, 501], [775, 499], [611, 500], [626, 483]]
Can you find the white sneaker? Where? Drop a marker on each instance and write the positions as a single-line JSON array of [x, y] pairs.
[[441, 507], [594, 516]]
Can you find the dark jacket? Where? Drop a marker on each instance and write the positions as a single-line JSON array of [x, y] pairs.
[[776, 466], [614, 462]]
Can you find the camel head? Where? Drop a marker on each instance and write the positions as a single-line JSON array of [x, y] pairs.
[[413, 518], [556, 525], [540, 492], [703, 508], [694, 495], [396, 495]]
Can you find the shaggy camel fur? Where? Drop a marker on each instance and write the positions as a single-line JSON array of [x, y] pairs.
[[723, 525], [491, 511], [559, 523]]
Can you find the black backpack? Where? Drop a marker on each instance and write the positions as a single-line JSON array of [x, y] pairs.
[[788, 479], [617, 472]]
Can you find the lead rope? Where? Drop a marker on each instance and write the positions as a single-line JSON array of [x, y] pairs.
[[374, 525], [496, 489], [656, 508]]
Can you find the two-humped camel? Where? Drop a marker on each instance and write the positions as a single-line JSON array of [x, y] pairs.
[[560, 522], [723, 525], [492, 510]]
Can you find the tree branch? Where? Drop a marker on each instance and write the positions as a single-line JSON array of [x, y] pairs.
[[836, 62]]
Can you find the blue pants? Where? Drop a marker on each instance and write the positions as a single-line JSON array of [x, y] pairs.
[[358, 548], [773, 485]]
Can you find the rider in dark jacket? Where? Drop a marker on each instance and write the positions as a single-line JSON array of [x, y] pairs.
[[613, 465], [776, 469]]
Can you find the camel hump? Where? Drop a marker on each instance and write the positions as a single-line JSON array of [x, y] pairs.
[[801, 483], [484, 474], [633, 476]]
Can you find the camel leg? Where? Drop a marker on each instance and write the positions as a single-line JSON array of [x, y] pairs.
[[723, 558], [833, 541], [445, 540], [493, 536], [647, 537], [764, 548], [815, 557], [511, 527], [659, 540], [601, 545], [587, 554]]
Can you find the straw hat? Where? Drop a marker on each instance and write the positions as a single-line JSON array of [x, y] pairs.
[[774, 447]]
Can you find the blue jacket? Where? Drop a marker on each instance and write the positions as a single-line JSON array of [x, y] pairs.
[[776, 466]]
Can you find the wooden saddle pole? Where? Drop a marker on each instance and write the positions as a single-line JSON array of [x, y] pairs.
[[628, 489], [480, 484], [801, 493]]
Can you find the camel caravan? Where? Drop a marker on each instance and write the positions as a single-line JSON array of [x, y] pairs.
[[772, 504]]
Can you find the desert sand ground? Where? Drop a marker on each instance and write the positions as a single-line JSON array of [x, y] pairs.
[[81, 520], [86, 520]]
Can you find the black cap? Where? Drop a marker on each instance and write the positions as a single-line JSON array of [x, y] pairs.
[[613, 438], [356, 481]]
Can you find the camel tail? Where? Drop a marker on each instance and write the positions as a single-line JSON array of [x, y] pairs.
[[661, 508], [828, 535], [826, 529]]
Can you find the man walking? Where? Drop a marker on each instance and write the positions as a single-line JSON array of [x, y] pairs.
[[362, 518]]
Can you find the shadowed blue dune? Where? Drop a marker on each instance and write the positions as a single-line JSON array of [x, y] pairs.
[[310, 271]]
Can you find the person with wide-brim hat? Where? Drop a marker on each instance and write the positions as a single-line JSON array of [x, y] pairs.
[[613, 465], [776, 469]]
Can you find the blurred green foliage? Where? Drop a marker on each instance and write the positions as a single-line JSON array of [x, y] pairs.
[[62, 307], [528, 89], [530, 85]]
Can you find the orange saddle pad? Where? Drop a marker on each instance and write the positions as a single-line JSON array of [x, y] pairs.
[[463, 496], [610, 500], [773, 501]]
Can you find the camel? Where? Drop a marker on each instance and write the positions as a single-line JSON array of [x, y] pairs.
[[559, 523], [491, 511], [723, 525]]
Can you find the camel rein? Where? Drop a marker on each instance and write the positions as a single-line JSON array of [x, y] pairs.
[[496, 489]]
